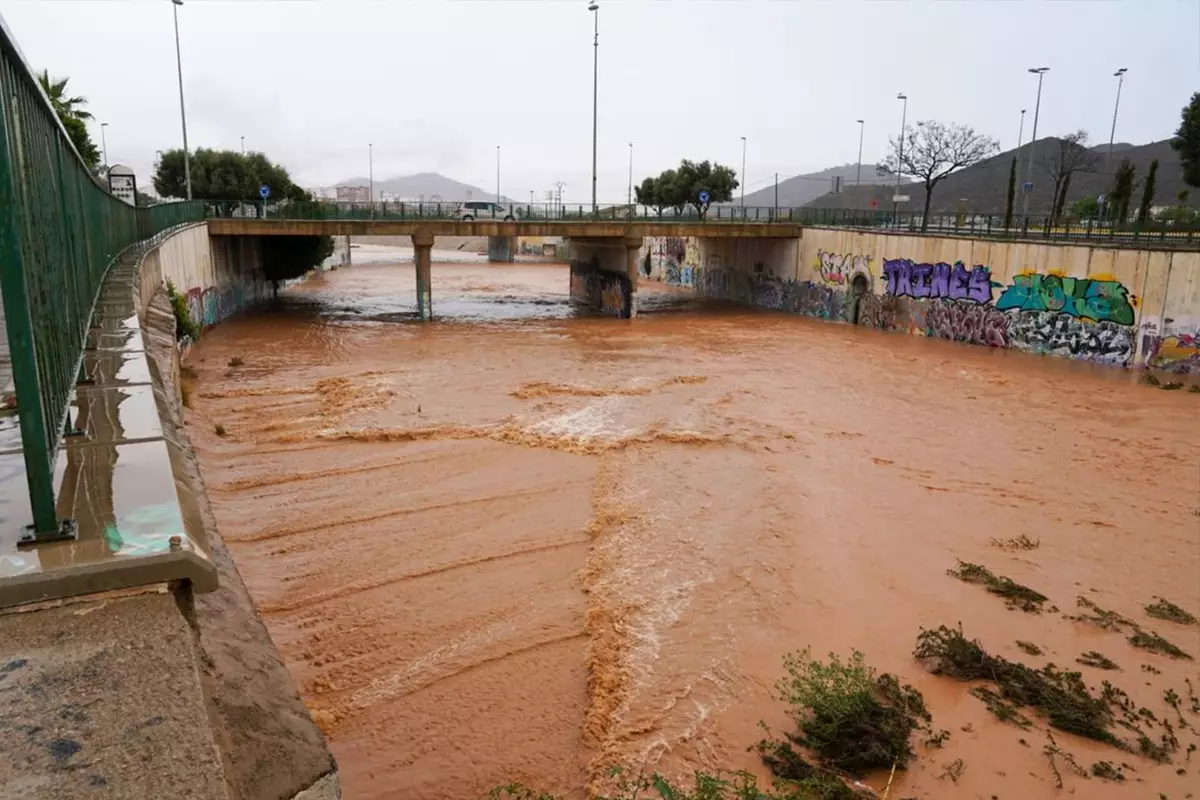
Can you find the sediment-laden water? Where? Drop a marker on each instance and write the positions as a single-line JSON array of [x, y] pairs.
[[524, 543]]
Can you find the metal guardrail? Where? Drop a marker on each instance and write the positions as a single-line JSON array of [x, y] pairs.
[[1184, 236], [60, 230]]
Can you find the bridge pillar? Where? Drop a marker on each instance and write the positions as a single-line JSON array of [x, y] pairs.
[[423, 258], [501, 248], [633, 246]]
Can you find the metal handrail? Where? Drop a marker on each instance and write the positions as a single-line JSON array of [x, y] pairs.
[[60, 231]]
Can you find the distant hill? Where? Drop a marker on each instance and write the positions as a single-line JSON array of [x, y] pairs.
[[427, 185], [800, 189], [983, 186]]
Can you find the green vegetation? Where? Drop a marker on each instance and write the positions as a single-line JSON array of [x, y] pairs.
[[1010, 193], [680, 188], [1015, 595], [1121, 193], [852, 719], [185, 326], [1093, 659], [1000, 708], [735, 786], [1061, 696], [1101, 617], [1187, 141], [71, 114], [1085, 208], [1105, 770], [1029, 647], [1165, 609], [1148, 193], [1149, 640]]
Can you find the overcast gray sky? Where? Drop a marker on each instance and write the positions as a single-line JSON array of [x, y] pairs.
[[436, 85]]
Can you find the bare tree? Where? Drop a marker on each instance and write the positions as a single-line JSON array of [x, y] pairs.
[[932, 150], [1060, 163]]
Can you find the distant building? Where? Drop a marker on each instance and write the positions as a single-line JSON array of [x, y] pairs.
[[353, 194]]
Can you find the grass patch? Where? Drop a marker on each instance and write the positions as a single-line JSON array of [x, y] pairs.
[[1015, 595], [219, 429], [1061, 696], [1149, 640], [851, 718], [185, 326], [237, 361], [1106, 770], [1021, 542], [1165, 609], [1029, 647], [1098, 660]]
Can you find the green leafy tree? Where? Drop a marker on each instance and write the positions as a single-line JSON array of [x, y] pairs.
[[933, 150], [1122, 190], [1187, 141], [225, 177], [287, 257], [73, 116], [694, 177], [1085, 208], [1012, 190], [1148, 193]]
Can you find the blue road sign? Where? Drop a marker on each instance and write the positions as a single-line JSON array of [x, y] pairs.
[[704, 197], [264, 191], [1027, 187]]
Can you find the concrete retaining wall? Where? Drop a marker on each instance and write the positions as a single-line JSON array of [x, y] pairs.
[[598, 276], [1113, 306]]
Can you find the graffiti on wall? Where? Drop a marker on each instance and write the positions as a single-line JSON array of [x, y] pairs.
[[1060, 334], [906, 278], [1179, 353], [841, 269], [214, 304], [611, 292], [966, 322], [1085, 298]]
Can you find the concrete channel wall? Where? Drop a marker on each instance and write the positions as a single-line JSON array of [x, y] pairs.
[[1124, 307]]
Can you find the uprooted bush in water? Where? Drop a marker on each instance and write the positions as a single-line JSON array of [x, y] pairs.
[[849, 717]]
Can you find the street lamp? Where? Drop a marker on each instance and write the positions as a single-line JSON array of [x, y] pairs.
[[187, 163], [900, 157], [1120, 76], [497, 174], [862, 127], [104, 143], [1021, 131], [370, 172], [1041, 73], [243, 145], [743, 175], [630, 200], [595, 9]]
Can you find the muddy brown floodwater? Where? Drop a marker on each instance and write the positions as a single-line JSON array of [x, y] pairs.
[[521, 543]]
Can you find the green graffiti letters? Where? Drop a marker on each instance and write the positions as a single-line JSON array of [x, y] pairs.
[[1084, 298]]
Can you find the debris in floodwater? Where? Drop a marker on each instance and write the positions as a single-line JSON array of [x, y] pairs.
[[1165, 609], [1015, 595]]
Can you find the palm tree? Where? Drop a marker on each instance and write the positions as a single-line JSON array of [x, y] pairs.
[[65, 107]]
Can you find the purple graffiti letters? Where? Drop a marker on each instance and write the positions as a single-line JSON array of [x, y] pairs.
[[906, 278]]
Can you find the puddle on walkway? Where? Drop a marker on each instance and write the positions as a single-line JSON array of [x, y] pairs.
[[525, 543]]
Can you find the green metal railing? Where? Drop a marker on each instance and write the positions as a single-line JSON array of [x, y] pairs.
[[60, 230]]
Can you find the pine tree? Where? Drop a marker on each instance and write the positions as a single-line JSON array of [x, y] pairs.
[[1148, 193], [1012, 188]]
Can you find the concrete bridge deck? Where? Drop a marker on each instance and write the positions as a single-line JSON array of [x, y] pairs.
[[591, 229]]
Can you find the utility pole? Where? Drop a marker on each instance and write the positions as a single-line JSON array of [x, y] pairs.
[[187, 164], [630, 200], [243, 145], [743, 176], [371, 172], [900, 158], [862, 127], [776, 194], [595, 9], [1041, 73], [497, 174], [1120, 76]]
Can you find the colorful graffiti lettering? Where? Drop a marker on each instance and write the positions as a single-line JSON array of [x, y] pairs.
[[967, 322], [609, 291], [877, 312], [1179, 354], [906, 278], [841, 269], [1059, 334], [1085, 298]]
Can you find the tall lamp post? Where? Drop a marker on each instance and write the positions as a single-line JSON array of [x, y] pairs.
[[630, 200], [900, 158], [595, 9], [1021, 131], [243, 145], [370, 172], [104, 144], [862, 127], [187, 163], [497, 174], [1041, 73], [1120, 76], [743, 176]]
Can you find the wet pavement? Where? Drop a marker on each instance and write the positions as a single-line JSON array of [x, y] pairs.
[[527, 542], [114, 478]]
